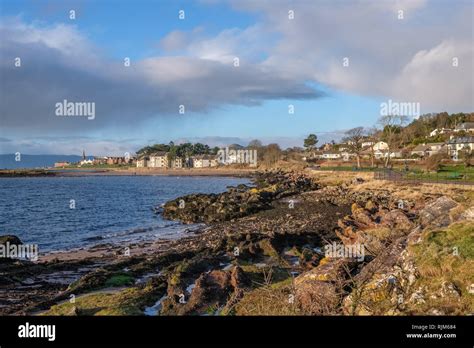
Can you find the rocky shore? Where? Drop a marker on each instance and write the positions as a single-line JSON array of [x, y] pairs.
[[130, 171], [238, 201], [15, 173], [264, 251]]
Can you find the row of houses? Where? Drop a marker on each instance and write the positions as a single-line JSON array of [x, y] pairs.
[[376, 149], [120, 160], [467, 127], [380, 150], [452, 147], [98, 160], [160, 160]]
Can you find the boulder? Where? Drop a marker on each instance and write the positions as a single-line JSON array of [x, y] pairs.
[[238, 279], [358, 181], [362, 216], [211, 290], [11, 239], [436, 214], [328, 270], [5, 241], [396, 219]]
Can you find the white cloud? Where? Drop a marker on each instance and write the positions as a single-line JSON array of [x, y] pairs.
[[440, 76], [385, 53]]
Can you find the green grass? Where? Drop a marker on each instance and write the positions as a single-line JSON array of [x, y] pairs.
[[349, 169], [127, 302], [447, 173], [119, 280], [441, 176], [456, 168], [268, 300], [447, 255]]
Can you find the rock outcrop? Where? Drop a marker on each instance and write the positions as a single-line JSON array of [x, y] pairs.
[[239, 201], [10, 239], [209, 293], [5, 242], [393, 283]]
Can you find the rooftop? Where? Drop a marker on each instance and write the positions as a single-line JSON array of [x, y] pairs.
[[466, 125], [159, 154], [462, 140]]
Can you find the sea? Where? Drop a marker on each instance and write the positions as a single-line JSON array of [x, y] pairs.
[[63, 213]]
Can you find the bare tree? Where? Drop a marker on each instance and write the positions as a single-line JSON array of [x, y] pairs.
[[271, 154], [354, 139], [255, 144], [372, 138], [391, 127]]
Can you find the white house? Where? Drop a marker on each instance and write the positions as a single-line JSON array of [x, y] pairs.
[[331, 155], [426, 150], [380, 146], [204, 161], [397, 153], [378, 154], [177, 163], [379, 149], [142, 161], [86, 162], [383, 154], [346, 155], [230, 158], [440, 131], [158, 160], [435, 147], [460, 144]]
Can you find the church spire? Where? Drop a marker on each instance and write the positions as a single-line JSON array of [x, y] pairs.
[[84, 155]]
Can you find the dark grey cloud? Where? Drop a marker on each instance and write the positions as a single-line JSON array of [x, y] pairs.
[[58, 64]]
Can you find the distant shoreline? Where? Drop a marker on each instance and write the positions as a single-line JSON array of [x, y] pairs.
[[233, 172]]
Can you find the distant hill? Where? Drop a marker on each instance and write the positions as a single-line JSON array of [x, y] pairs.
[[7, 161]]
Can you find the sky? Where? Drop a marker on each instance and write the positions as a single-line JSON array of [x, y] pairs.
[[332, 63]]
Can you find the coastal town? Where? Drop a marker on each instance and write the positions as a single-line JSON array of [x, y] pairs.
[[357, 147], [164, 160], [458, 143]]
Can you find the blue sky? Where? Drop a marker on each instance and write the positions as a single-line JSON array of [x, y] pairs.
[[189, 62], [130, 28]]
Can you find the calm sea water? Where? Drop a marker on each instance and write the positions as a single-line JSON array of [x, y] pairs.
[[107, 209]]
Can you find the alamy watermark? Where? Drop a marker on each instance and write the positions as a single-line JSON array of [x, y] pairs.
[[19, 251], [28, 330], [352, 251], [393, 108], [229, 156], [85, 109]]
